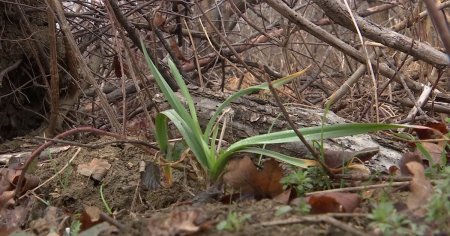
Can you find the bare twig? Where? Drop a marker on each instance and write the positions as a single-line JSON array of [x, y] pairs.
[[313, 151]]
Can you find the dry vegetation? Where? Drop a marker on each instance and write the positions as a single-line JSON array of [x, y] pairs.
[[78, 101]]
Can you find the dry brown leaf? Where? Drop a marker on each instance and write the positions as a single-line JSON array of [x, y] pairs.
[[241, 174], [334, 202], [267, 181], [335, 159], [407, 158], [394, 171], [238, 174], [8, 181], [159, 20], [284, 197], [89, 217], [176, 50], [179, 223], [420, 188], [96, 169], [358, 169], [435, 152], [436, 132]]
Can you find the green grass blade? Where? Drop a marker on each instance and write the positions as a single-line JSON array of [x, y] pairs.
[[240, 93], [315, 133], [195, 143], [302, 163], [184, 90], [161, 134], [169, 94]]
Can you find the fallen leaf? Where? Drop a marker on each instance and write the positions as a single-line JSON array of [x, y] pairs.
[[394, 171], [8, 181], [335, 159], [241, 174], [436, 131], [116, 64], [179, 223], [159, 19], [267, 182], [238, 174], [96, 169], [435, 152], [176, 50], [334, 202], [358, 169], [151, 176], [285, 196], [420, 188], [407, 158], [89, 217]]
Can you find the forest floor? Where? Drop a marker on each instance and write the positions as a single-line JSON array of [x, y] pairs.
[[70, 198]]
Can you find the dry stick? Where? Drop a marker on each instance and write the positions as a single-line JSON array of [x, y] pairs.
[[9, 69], [41, 148], [231, 48], [337, 11], [112, 221], [194, 48], [132, 65], [99, 145], [420, 102], [83, 69], [359, 188], [133, 35], [323, 35], [408, 91], [360, 177], [339, 93], [54, 77], [59, 172], [249, 22], [313, 152], [369, 65], [407, 22], [439, 22], [385, 85], [316, 218]]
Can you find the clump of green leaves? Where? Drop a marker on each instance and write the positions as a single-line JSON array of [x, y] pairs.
[[299, 180], [388, 221], [438, 207], [202, 143], [304, 181], [233, 222]]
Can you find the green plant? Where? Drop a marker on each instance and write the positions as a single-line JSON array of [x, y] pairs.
[[75, 227], [64, 179], [233, 222], [388, 221], [438, 207], [304, 181], [203, 143], [105, 204], [299, 180]]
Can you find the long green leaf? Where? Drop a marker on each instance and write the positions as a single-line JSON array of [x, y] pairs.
[[240, 93], [169, 94], [185, 92], [315, 133], [161, 134], [195, 143], [302, 163]]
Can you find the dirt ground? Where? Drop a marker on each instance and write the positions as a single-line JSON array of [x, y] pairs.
[[174, 210]]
